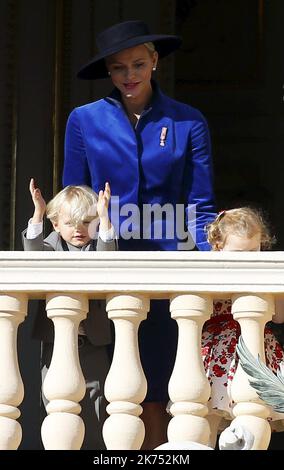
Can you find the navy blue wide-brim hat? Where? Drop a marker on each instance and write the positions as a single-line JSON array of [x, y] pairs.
[[123, 36]]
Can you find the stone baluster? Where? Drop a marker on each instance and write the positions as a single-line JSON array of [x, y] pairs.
[[64, 384], [189, 388], [13, 309], [125, 386], [252, 312]]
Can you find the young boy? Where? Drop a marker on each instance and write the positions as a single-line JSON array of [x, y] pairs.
[[75, 213]]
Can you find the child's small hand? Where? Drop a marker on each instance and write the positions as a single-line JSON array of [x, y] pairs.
[[102, 207], [39, 203]]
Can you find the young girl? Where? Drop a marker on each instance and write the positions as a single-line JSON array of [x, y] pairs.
[[240, 229]]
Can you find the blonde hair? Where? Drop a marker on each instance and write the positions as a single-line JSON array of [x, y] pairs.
[[150, 46], [81, 199], [243, 221]]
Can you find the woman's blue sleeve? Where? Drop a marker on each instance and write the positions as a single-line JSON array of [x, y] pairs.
[[201, 194], [76, 168]]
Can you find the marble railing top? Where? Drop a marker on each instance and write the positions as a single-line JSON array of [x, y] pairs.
[[160, 274]]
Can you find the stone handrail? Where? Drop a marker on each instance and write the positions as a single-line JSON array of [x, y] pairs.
[[128, 280]]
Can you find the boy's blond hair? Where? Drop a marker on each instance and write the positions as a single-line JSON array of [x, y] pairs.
[[243, 221], [81, 199]]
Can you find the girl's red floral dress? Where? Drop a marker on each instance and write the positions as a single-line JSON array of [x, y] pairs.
[[219, 339]]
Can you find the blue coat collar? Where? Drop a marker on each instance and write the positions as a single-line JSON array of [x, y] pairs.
[[157, 101]]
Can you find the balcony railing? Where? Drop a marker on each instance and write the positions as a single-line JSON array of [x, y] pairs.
[[128, 280]]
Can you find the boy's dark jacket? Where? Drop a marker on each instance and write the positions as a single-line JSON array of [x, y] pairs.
[[97, 324]]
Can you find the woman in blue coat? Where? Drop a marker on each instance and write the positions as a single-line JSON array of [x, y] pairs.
[[156, 154]]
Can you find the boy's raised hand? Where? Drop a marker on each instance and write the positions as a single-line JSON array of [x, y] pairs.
[[102, 207], [39, 203]]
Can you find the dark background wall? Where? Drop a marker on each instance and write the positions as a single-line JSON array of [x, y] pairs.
[[230, 67]]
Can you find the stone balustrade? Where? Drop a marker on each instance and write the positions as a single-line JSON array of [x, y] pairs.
[[128, 280]]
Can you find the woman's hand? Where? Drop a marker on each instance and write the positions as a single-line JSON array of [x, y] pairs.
[[102, 207], [39, 203]]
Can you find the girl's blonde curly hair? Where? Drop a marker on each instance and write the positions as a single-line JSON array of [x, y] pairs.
[[244, 221]]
